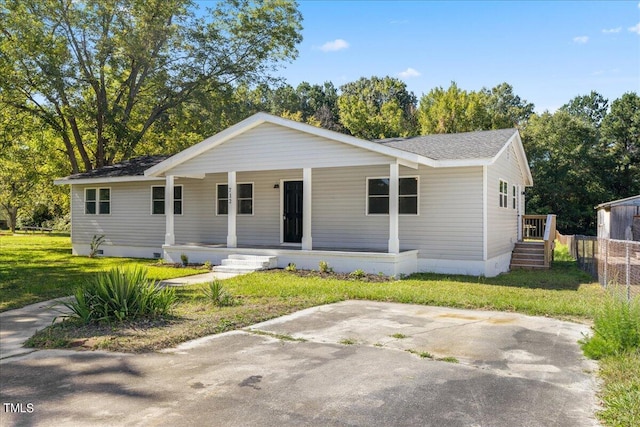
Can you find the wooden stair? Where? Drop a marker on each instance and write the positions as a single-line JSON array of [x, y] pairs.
[[528, 255]]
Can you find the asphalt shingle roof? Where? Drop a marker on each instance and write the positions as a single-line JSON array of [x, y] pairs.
[[454, 146], [131, 167]]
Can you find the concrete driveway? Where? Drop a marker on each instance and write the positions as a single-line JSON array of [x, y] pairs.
[[349, 367]]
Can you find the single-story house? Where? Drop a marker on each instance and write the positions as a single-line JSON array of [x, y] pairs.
[[619, 219], [269, 186]]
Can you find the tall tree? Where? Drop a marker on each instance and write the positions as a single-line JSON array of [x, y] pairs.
[[377, 107], [621, 145], [452, 110], [592, 108], [506, 109], [101, 73], [320, 102], [28, 166], [561, 150]]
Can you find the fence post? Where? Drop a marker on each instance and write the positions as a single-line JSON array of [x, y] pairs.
[[606, 262], [628, 270]]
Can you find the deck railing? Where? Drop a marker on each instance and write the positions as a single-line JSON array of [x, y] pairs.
[[542, 228]]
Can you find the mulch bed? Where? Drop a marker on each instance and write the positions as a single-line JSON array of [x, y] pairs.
[[373, 278]]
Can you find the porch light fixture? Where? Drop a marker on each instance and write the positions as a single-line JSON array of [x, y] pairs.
[[276, 185]]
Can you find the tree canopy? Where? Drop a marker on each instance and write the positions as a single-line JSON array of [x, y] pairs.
[[102, 73], [377, 107]]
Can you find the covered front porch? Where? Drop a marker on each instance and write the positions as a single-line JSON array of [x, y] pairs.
[[287, 215]]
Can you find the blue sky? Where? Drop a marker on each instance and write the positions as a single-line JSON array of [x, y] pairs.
[[549, 51]]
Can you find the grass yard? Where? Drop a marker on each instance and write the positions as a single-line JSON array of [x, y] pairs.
[[37, 268]]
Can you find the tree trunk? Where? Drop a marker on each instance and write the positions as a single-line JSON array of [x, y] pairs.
[[13, 217]]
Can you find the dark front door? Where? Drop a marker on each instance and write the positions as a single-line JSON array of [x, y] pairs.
[[292, 211]]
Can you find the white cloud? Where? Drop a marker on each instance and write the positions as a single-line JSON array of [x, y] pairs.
[[337, 44], [581, 39], [611, 30], [409, 72], [635, 28], [399, 22]]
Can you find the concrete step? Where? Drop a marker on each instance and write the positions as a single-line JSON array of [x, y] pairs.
[[246, 263], [271, 261], [234, 269], [238, 263]]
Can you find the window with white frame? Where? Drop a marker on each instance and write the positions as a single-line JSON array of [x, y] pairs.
[[97, 201], [378, 196], [157, 200], [503, 194], [244, 195]]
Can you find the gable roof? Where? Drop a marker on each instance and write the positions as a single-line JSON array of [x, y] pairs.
[[480, 148], [457, 146], [475, 149]]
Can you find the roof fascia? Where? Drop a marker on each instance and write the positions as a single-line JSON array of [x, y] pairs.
[[617, 202], [104, 180]]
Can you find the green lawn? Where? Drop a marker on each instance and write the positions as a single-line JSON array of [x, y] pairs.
[[37, 267]]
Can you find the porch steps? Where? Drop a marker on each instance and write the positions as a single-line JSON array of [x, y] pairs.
[[238, 263], [528, 255]]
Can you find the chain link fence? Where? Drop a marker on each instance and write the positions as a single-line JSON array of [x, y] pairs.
[[619, 266], [614, 263]]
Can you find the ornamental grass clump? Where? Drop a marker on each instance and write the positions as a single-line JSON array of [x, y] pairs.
[[120, 294]]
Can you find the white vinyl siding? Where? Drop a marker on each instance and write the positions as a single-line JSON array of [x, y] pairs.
[[449, 226], [129, 223], [502, 221], [450, 223], [450, 206], [268, 147]]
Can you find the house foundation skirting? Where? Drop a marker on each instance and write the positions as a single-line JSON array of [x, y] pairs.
[[118, 251], [489, 268], [341, 261]]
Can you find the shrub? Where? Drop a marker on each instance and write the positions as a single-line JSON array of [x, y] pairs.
[[357, 274], [291, 267], [96, 241], [185, 259], [323, 266], [215, 292], [207, 265], [616, 328], [120, 294]]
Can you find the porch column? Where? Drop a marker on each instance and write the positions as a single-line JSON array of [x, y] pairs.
[[394, 183], [232, 188], [169, 237], [306, 209]]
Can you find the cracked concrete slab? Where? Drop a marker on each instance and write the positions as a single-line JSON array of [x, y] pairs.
[[512, 370]]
